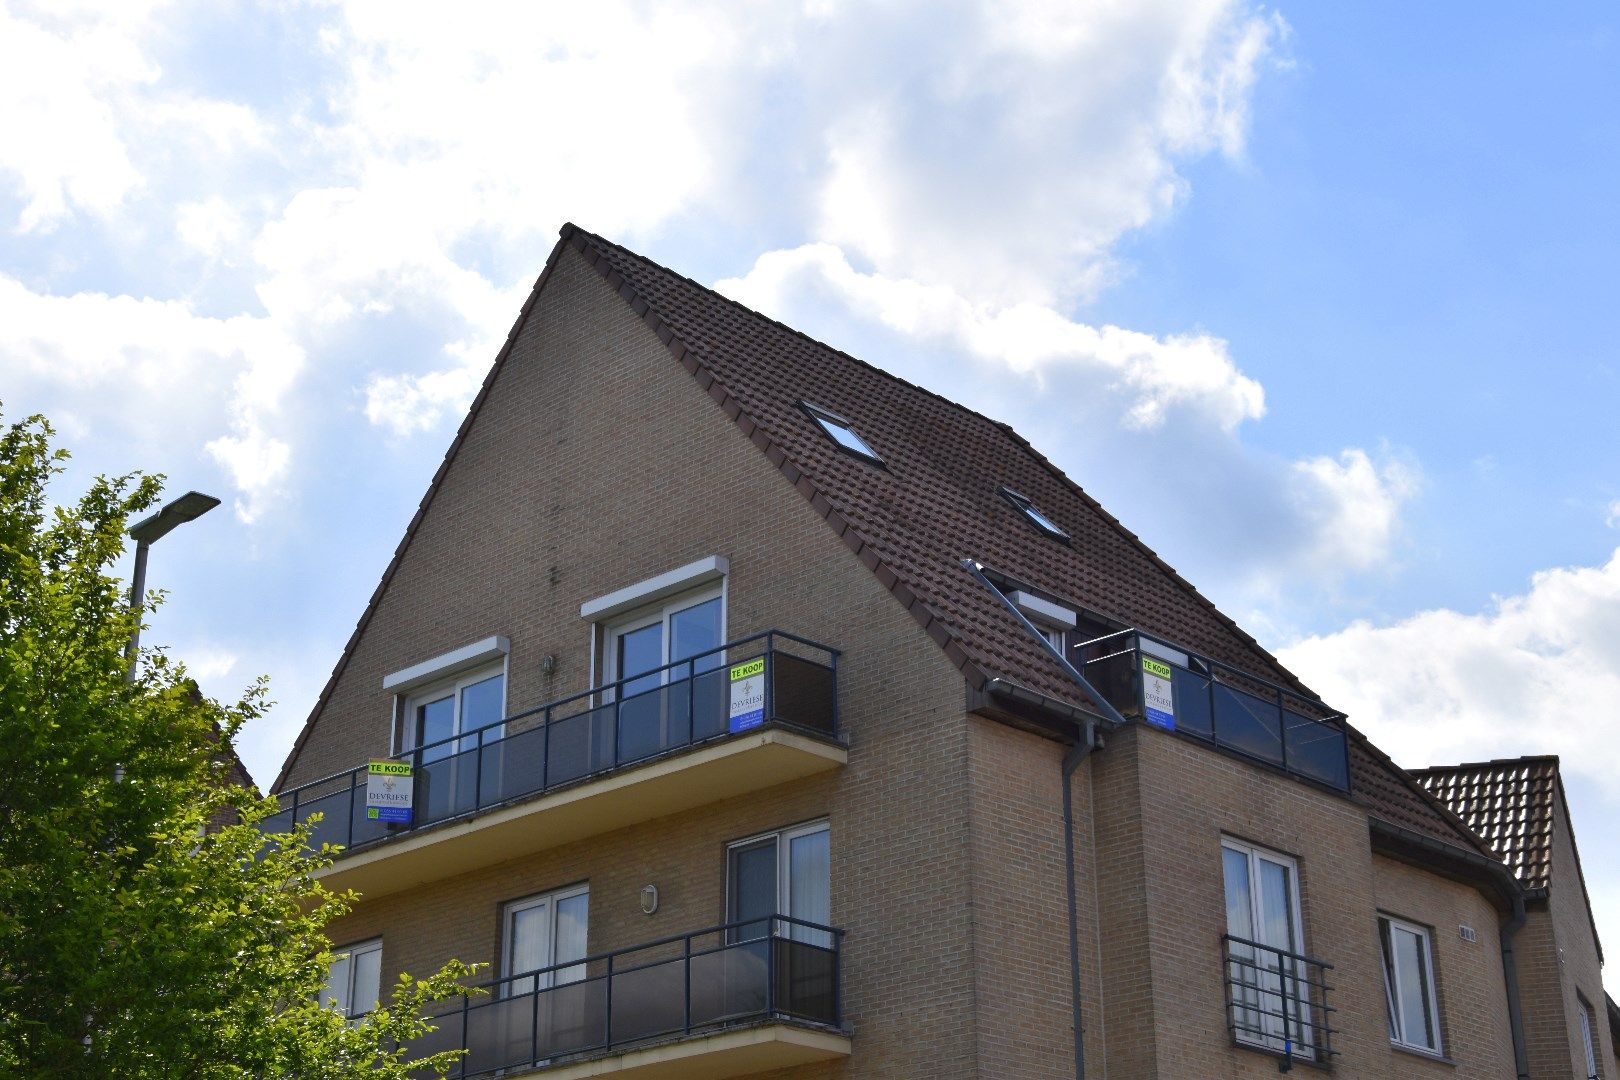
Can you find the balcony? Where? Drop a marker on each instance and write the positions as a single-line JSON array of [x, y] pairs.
[[730, 1000], [1165, 685], [1276, 1002], [748, 715]]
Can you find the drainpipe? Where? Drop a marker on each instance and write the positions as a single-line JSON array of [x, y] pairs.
[[1071, 761], [1083, 745], [1510, 972]]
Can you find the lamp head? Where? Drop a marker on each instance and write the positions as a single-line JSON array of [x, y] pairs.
[[188, 507]]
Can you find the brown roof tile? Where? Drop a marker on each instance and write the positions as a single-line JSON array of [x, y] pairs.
[[1510, 804]]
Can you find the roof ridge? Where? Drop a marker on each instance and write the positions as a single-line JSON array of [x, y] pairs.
[[1493, 763], [570, 229]]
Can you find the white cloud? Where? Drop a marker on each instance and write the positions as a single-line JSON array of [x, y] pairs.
[[1164, 411], [1155, 376], [1355, 506], [1612, 517], [1538, 672], [156, 377]]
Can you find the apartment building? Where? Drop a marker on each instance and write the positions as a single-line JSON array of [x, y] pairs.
[[747, 711]]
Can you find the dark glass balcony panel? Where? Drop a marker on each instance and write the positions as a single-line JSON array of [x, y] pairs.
[[1191, 692], [1316, 750], [665, 989], [1250, 724]]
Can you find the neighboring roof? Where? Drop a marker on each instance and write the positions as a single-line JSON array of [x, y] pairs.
[[1512, 803], [934, 502], [1509, 803]]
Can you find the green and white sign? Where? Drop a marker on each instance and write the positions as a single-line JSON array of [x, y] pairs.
[[747, 694], [1158, 694], [389, 787]]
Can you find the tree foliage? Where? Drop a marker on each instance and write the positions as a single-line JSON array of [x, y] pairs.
[[147, 927]]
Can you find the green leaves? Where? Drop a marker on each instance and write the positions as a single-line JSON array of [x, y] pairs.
[[147, 927]]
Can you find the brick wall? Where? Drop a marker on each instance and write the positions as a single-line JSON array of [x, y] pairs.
[[1162, 804]]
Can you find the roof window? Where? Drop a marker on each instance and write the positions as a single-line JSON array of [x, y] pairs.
[[842, 432], [1036, 518]]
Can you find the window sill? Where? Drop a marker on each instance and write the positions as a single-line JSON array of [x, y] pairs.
[[1426, 1055]]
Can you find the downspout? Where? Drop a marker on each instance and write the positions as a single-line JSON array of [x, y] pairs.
[[1510, 974], [1084, 744], [1071, 762]]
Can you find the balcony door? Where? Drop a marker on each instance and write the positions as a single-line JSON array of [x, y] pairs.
[[1262, 906], [653, 713], [782, 873], [446, 722], [539, 933]]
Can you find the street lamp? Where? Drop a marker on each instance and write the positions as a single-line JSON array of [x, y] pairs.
[[146, 532]]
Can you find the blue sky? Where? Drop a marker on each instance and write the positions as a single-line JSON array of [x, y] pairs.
[[1319, 299]]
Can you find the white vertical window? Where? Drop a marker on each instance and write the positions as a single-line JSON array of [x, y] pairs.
[[538, 934], [1268, 981], [781, 873], [1414, 1014], [1589, 1039], [434, 716], [354, 979], [676, 630]]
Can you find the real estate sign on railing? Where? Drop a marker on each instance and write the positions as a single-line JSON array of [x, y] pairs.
[[389, 788], [1158, 697], [747, 694]]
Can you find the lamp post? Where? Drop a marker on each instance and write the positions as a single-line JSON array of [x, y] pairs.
[[146, 532]]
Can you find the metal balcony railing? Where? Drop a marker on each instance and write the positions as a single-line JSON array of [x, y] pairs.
[[1277, 1001], [1164, 684], [694, 701], [771, 969]]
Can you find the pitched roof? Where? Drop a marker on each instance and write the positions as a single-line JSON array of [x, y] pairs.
[[1509, 803], [936, 501]]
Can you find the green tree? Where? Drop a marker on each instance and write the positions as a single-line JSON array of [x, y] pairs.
[[147, 927]]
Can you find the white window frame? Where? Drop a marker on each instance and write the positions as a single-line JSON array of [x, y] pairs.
[[405, 735], [428, 678], [1254, 853], [784, 863], [510, 909], [346, 956], [659, 612], [1395, 992], [1589, 1039]]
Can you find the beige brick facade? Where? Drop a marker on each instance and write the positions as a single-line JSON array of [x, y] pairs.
[[596, 462]]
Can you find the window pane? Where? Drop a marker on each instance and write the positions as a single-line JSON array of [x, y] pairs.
[[367, 981], [810, 885], [436, 721], [845, 436], [1277, 905], [527, 945], [693, 630], [481, 703], [641, 650], [753, 887], [573, 916], [1239, 904], [336, 990], [1389, 978], [1412, 963]]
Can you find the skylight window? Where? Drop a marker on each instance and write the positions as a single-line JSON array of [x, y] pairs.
[[843, 433], [1036, 518]]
